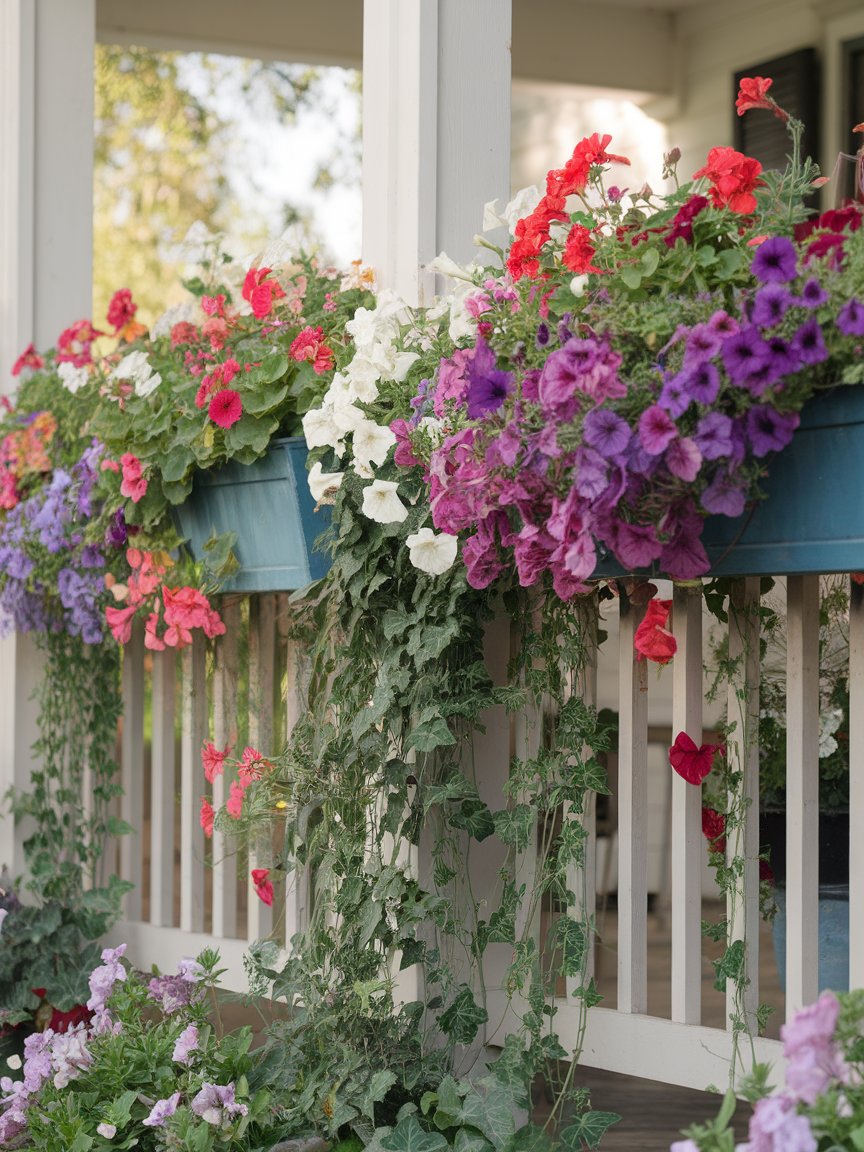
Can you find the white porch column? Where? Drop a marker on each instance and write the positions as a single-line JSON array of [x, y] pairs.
[[436, 132], [46, 198]]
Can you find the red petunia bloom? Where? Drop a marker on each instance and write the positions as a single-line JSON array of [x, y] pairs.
[[206, 817], [753, 93], [733, 177], [225, 408], [714, 829], [309, 345], [653, 640], [681, 227], [29, 358], [260, 291], [121, 310], [692, 763], [579, 252], [263, 886]]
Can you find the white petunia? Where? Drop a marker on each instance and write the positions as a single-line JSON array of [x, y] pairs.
[[363, 375], [132, 367], [14, 1061], [323, 485], [145, 387], [321, 430], [578, 285], [381, 502], [431, 553], [523, 203], [372, 442], [363, 469], [72, 378], [109, 1131], [186, 310], [4, 912]]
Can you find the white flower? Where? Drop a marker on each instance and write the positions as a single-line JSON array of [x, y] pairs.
[[578, 285], [71, 377], [13, 1061], [372, 442], [346, 417], [445, 266], [829, 722], [321, 431], [381, 502], [525, 201], [363, 469], [363, 375], [431, 553], [109, 1131], [145, 387], [323, 485]]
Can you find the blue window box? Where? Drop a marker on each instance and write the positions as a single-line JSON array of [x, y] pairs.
[[269, 506]]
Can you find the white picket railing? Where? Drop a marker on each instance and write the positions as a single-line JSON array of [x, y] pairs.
[[191, 893]]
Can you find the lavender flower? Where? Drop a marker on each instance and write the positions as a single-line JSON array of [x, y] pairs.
[[187, 1043], [161, 1110], [215, 1104], [775, 261], [488, 386], [850, 320], [809, 344]]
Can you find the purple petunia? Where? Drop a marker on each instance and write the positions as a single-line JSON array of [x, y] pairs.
[[714, 436], [850, 320], [776, 261], [607, 432], [770, 305], [813, 294], [808, 343], [656, 430], [744, 354], [161, 1110], [488, 386], [769, 430]]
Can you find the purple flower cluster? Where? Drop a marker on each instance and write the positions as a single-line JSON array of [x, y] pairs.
[[560, 463], [51, 579]]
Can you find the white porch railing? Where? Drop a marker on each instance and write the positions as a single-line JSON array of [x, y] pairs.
[[190, 893]]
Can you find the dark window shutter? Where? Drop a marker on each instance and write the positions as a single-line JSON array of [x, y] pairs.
[[796, 88], [853, 94]]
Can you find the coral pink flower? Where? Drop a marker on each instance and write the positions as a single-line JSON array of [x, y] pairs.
[[120, 622], [261, 292], [216, 331], [134, 483], [653, 641], [152, 639], [225, 408], [29, 358], [213, 760], [263, 887], [252, 766], [309, 345], [214, 305], [74, 344], [183, 333], [234, 803], [206, 817], [692, 763], [753, 93]]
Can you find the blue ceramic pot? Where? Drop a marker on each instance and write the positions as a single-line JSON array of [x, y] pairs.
[[269, 506]]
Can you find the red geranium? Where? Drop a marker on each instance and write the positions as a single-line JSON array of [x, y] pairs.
[[653, 640], [714, 829], [692, 763], [579, 252], [29, 358], [753, 93], [733, 178], [260, 291]]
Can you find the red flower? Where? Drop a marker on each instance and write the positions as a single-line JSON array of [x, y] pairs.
[[309, 345], [213, 760], [73, 344], [691, 763], [134, 483], [251, 767], [213, 305], [225, 408], [579, 251], [733, 178], [653, 641], [206, 817], [682, 225], [183, 333], [263, 887], [714, 829], [234, 803], [753, 93], [121, 310], [29, 358], [261, 292]]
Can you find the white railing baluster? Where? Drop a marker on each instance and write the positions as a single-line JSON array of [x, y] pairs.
[[856, 785], [687, 845], [262, 654], [194, 727], [132, 770], [162, 790], [632, 805], [297, 881], [583, 881], [743, 753], [225, 676], [802, 792]]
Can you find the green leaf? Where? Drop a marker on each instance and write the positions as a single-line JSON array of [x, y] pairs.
[[530, 1138], [730, 263], [257, 403], [474, 816], [377, 1088], [650, 260], [430, 735], [467, 1140], [250, 433], [463, 1018], [588, 1129], [573, 942], [175, 492], [272, 367], [491, 1112], [408, 1136], [632, 278], [176, 463]]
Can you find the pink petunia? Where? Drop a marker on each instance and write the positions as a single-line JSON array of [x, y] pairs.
[[653, 640], [225, 408], [692, 763], [213, 760], [234, 803], [134, 483], [206, 817]]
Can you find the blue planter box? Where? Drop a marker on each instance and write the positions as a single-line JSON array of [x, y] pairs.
[[812, 519], [269, 505]]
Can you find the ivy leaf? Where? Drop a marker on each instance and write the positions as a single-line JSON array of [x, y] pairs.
[[377, 1088], [514, 826], [408, 1136], [430, 735], [492, 1112], [467, 1140], [530, 1138], [463, 1018], [573, 943], [474, 816], [588, 1129]]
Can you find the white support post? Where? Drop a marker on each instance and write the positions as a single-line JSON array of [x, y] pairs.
[[802, 792], [632, 813], [193, 662], [743, 752], [132, 770], [687, 846], [46, 141], [856, 785], [436, 132]]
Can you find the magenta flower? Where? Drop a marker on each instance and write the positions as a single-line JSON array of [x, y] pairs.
[[769, 430], [225, 407], [656, 430]]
